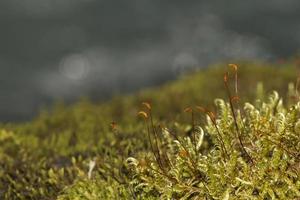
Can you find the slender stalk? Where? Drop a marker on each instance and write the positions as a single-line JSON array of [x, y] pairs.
[[234, 117], [150, 140], [156, 141]]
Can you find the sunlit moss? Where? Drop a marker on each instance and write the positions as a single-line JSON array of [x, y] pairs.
[[50, 157]]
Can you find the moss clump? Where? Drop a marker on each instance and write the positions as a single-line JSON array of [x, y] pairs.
[[180, 169]]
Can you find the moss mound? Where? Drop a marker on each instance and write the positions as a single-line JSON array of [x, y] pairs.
[[220, 149]]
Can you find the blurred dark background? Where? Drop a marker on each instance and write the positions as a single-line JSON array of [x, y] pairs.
[[64, 49]]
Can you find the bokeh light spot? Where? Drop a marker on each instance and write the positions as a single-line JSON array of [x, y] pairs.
[[75, 67]]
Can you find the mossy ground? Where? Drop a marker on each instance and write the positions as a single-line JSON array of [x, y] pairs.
[[53, 156]]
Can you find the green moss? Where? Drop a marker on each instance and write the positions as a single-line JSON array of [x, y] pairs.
[[264, 166], [49, 157]]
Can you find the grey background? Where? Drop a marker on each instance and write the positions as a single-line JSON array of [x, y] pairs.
[[64, 49]]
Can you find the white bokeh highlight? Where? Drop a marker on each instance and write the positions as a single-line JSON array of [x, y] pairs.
[[75, 67]]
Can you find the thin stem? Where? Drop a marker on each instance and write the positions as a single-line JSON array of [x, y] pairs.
[[156, 140], [234, 117], [150, 140]]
